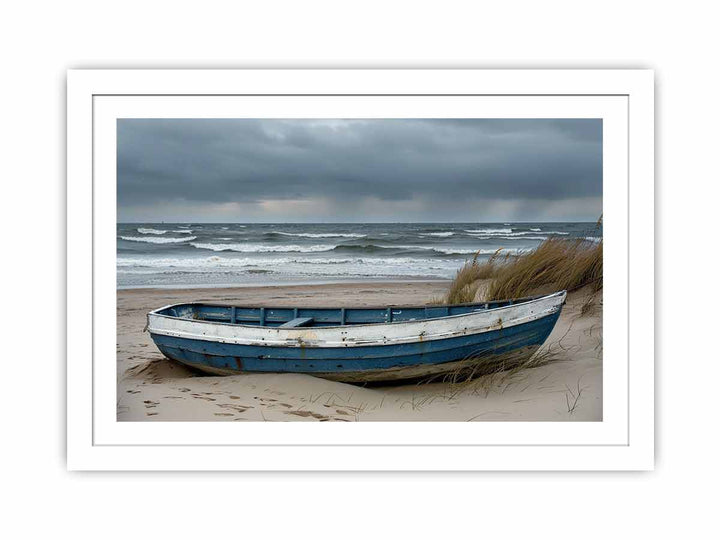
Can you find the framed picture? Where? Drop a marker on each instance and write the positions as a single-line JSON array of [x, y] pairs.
[[360, 270]]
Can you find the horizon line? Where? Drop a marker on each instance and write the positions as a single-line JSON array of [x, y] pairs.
[[346, 222]]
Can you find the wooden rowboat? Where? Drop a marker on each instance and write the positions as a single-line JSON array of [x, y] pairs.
[[351, 344]]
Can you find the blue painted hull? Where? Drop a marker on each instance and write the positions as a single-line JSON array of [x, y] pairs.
[[361, 363]]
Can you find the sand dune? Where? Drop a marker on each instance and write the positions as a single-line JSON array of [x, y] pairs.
[[151, 387]]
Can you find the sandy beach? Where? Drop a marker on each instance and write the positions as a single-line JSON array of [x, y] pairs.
[[152, 388]]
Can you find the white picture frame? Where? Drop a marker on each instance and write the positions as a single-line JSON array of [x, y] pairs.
[[624, 440]]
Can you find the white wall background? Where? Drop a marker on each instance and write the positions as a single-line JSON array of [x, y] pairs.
[[40, 41]]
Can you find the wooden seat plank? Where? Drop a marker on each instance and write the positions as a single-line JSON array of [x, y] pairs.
[[297, 322]]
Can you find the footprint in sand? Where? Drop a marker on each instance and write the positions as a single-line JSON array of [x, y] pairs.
[[306, 414], [198, 396], [238, 408]]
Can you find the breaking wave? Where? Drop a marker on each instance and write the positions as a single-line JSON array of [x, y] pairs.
[[525, 235], [488, 231], [320, 235], [348, 248], [150, 231], [158, 240], [263, 248], [240, 262], [508, 237]]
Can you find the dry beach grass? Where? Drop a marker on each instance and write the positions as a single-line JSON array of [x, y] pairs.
[[557, 264]]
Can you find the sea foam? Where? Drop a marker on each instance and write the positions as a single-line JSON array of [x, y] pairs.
[[322, 235], [263, 248], [488, 231], [157, 240]]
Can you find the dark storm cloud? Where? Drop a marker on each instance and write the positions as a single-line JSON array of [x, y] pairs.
[[437, 164]]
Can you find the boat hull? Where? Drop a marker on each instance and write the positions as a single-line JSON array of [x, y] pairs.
[[361, 363]]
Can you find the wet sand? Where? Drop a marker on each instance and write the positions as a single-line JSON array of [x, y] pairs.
[[152, 388]]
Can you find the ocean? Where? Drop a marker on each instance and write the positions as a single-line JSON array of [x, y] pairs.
[[230, 254]]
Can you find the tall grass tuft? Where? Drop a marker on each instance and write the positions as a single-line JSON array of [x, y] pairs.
[[469, 278], [554, 265]]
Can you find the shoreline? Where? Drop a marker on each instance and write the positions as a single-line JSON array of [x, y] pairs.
[[152, 388], [295, 284]]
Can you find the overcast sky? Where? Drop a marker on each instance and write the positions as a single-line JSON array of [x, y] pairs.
[[245, 170]]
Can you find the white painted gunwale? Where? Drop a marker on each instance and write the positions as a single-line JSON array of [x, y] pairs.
[[360, 335]]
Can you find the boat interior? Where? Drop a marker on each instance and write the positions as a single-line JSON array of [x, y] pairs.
[[288, 317]]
